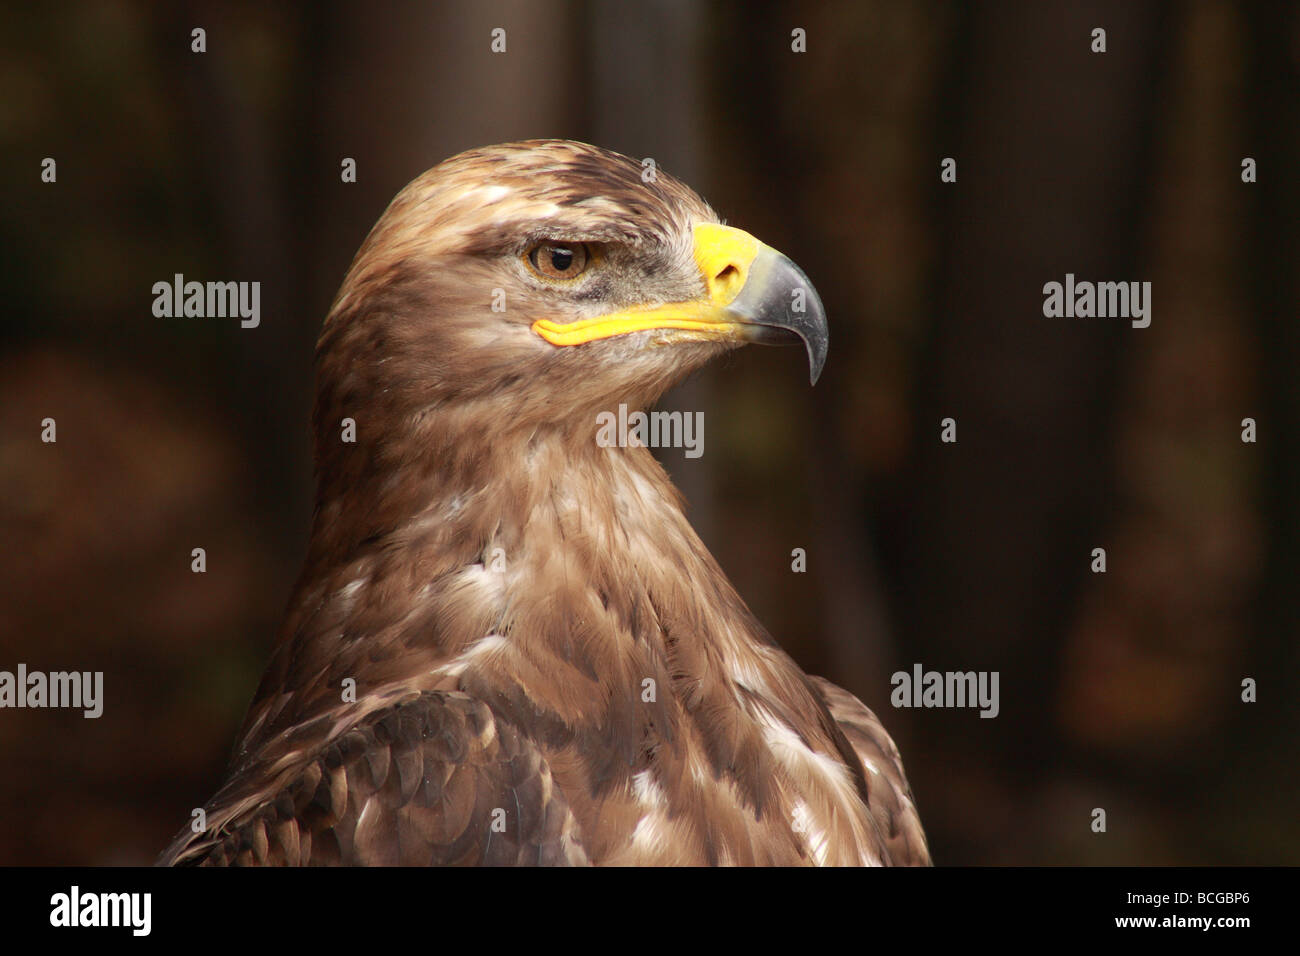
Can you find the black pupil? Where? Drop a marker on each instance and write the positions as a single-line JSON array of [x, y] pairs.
[[561, 258]]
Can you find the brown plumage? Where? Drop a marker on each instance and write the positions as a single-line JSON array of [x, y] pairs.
[[549, 666]]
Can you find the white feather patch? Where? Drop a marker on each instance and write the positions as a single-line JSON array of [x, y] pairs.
[[475, 653]]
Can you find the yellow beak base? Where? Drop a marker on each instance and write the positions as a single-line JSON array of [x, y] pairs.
[[724, 256]]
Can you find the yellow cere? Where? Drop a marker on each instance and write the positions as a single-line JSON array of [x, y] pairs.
[[723, 255]]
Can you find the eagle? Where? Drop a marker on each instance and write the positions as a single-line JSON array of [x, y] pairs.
[[507, 645]]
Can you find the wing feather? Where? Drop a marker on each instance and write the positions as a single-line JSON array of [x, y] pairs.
[[434, 780], [890, 795]]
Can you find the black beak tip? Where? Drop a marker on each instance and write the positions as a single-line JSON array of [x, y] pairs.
[[811, 327], [814, 374], [817, 348], [809, 323]]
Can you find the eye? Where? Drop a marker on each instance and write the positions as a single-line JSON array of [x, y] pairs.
[[559, 260]]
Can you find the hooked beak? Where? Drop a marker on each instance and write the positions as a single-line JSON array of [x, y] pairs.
[[752, 294]]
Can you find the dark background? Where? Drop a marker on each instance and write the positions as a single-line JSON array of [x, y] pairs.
[[1118, 690]]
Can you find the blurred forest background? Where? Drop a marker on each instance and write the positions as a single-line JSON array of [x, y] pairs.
[[1118, 690]]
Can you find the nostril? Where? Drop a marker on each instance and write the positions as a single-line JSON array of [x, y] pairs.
[[726, 284]]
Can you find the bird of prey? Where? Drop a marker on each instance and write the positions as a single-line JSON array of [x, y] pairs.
[[508, 645]]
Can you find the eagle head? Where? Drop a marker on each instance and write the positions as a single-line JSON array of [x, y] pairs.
[[556, 278]]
